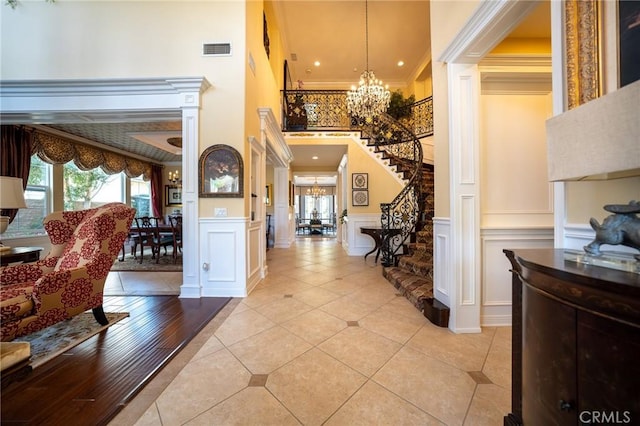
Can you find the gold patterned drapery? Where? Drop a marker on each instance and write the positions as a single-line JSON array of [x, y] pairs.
[[59, 150]]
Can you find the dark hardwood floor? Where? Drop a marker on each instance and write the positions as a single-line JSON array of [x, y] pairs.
[[90, 384]]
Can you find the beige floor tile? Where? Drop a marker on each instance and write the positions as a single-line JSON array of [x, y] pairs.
[[437, 388], [151, 417], [269, 350], [241, 307], [360, 349], [316, 267], [419, 371], [489, 405], [400, 305], [315, 326], [318, 278], [242, 325], [374, 405], [394, 326], [263, 296], [251, 406], [283, 309], [316, 296], [347, 309], [464, 351], [213, 344], [497, 366], [342, 286], [113, 284], [202, 384], [373, 294], [314, 386]]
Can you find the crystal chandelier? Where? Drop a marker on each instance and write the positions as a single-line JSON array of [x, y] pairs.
[[370, 98], [316, 191]]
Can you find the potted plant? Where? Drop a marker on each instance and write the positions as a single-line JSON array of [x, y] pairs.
[[343, 216], [399, 106]]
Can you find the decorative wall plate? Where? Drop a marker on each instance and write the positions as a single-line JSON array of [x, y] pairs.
[[360, 180], [360, 197]]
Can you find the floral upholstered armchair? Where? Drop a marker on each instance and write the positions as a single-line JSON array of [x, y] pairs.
[[70, 279]]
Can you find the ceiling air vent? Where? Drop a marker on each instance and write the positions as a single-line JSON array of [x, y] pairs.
[[216, 49]]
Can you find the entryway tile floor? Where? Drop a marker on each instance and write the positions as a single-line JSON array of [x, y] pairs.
[[142, 283], [325, 339]]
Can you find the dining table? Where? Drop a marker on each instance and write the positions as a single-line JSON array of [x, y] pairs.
[[134, 235]]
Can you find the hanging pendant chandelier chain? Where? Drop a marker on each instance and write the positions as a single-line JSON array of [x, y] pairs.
[[366, 32], [370, 98]]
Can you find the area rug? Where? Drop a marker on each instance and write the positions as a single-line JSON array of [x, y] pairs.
[[50, 342], [165, 263]]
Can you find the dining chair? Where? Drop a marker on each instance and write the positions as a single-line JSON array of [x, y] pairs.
[[149, 236], [176, 230]]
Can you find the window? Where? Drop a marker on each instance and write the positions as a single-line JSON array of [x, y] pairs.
[[91, 188], [28, 222], [323, 205], [141, 196]]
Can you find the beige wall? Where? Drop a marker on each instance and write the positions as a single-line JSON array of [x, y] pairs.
[[383, 188], [514, 157], [585, 200], [447, 18], [90, 40]]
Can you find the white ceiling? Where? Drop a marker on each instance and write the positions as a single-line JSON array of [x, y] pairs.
[[330, 31], [333, 33]]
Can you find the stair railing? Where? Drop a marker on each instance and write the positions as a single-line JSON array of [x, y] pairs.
[[404, 151], [326, 110]]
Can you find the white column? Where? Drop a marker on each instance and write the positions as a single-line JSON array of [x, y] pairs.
[[190, 254], [282, 216], [464, 158]]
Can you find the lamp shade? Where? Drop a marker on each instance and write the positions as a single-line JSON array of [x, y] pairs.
[[11, 193]]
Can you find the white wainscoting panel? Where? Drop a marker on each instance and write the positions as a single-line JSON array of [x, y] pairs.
[[358, 243], [496, 278], [223, 249], [256, 247], [441, 260]]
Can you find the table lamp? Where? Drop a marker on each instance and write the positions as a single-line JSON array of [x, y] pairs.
[[11, 197]]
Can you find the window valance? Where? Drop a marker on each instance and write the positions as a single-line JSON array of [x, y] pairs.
[[59, 150]]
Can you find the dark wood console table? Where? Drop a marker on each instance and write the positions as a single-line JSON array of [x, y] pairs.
[[378, 237], [20, 254], [576, 340]]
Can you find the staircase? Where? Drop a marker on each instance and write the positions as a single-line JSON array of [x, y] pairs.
[[407, 252]]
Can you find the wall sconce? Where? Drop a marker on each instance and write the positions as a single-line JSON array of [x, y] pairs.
[[174, 178]]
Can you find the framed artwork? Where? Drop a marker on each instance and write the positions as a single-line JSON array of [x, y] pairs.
[[629, 42], [268, 194], [172, 195], [583, 32], [360, 197], [360, 180], [221, 173]]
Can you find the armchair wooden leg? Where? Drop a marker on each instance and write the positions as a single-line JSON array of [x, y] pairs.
[[98, 314]]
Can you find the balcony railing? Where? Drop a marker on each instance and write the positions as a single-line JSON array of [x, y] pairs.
[[326, 110]]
